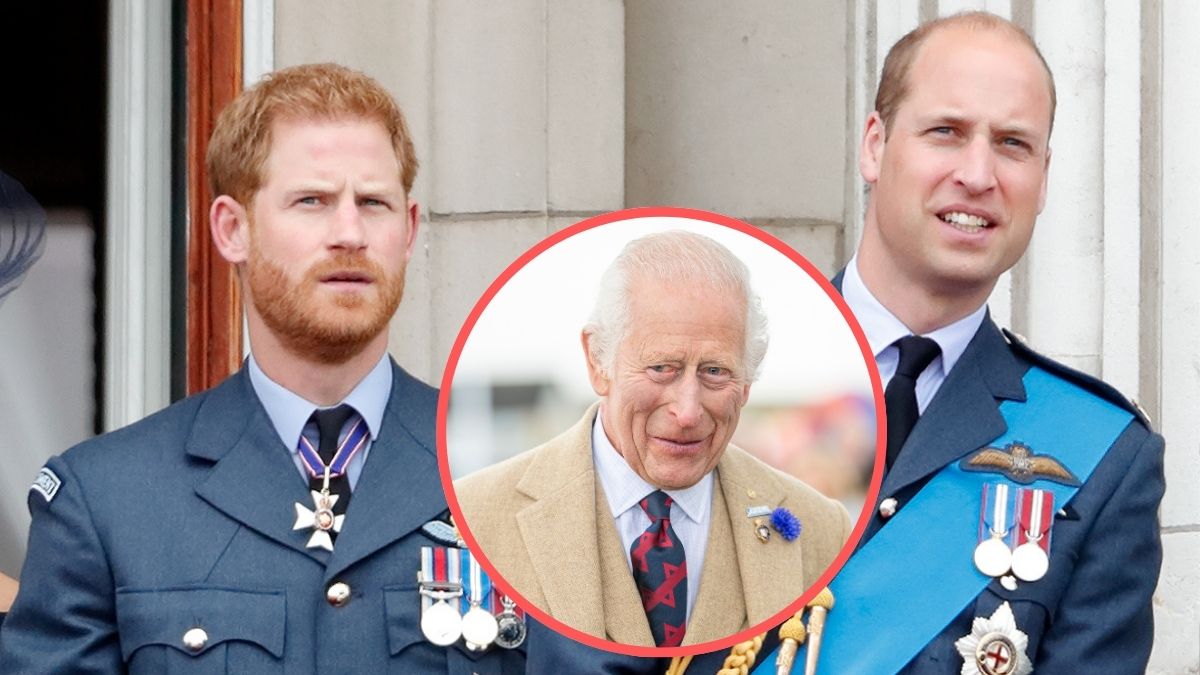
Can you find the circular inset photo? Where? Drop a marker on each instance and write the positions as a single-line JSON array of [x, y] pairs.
[[658, 431]]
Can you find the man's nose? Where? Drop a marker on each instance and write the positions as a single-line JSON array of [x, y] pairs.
[[685, 404], [347, 230], [976, 170]]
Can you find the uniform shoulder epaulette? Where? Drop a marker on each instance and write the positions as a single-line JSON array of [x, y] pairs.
[[1092, 384]]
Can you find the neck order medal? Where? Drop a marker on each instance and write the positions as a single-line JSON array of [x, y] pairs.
[[320, 518]]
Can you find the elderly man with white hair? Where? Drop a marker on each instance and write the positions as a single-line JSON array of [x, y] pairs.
[[641, 524]]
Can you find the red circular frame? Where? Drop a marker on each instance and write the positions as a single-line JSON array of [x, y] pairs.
[[716, 219]]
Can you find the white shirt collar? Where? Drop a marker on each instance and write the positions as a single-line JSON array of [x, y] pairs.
[[289, 412], [624, 488], [883, 328]]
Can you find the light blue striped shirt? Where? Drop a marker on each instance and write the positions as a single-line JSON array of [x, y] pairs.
[[624, 489]]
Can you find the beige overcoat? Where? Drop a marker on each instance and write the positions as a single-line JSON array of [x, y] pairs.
[[541, 518]]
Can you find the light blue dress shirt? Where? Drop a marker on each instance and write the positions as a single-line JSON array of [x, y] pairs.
[[883, 328], [289, 412]]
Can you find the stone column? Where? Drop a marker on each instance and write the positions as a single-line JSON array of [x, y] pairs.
[[518, 116], [741, 112], [1176, 269]]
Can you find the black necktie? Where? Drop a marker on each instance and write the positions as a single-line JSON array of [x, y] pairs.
[[329, 423], [660, 572], [916, 353]]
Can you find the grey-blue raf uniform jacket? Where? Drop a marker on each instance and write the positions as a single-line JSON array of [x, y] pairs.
[[184, 520]]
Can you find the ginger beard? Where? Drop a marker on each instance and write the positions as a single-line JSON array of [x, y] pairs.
[[323, 324]]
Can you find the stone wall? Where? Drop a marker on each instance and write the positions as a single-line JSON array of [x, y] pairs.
[[532, 115]]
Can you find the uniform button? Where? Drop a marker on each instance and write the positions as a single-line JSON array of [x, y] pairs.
[[195, 639], [338, 594], [887, 507]]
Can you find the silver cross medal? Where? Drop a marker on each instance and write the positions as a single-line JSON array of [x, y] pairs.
[[320, 518]]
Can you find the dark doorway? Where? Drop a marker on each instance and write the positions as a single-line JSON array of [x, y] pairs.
[[52, 122], [53, 109]]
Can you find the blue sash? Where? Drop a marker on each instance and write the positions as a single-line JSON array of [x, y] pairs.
[[916, 574]]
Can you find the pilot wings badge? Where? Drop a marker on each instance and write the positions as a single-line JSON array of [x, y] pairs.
[[1020, 464]]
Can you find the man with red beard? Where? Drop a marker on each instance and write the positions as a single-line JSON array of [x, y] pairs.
[[284, 520]]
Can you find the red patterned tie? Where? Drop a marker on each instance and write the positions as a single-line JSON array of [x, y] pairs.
[[660, 571]]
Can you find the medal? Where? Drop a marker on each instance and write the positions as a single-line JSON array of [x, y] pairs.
[[761, 531], [757, 515], [995, 646], [994, 654], [1031, 559], [1030, 562], [479, 627], [510, 626], [320, 518], [439, 585], [993, 556], [441, 624]]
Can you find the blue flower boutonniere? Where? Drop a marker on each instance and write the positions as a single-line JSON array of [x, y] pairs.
[[786, 523]]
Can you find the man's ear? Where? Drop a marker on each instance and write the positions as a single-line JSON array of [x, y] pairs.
[[870, 154], [230, 228], [596, 373], [414, 222], [1045, 182]]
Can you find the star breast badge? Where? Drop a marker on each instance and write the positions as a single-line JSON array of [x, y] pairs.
[[1020, 464], [995, 646]]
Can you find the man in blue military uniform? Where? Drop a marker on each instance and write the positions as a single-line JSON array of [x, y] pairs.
[[279, 521], [1016, 526]]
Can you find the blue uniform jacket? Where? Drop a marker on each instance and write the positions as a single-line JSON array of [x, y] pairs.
[[1092, 612], [185, 520]]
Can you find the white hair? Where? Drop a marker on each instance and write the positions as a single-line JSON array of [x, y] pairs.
[[679, 256]]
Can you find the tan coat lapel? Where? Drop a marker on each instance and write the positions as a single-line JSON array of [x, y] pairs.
[[720, 609], [772, 574], [558, 530], [624, 618]]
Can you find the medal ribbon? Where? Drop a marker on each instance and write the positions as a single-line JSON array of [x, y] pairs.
[[426, 576], [479, 592], [498, 599], [902, 613], [1037, 515], [996, 511], [347, 449], [437, 567]]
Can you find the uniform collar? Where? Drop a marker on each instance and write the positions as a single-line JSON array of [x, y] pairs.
[[883, 328], [289, 412]]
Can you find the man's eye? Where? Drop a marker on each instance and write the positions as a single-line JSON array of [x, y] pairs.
[[661, 372], [942, 131], [716, 373], [310, 200]]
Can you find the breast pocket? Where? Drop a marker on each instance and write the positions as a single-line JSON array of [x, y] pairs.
[[201, 630], [410, 652]]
